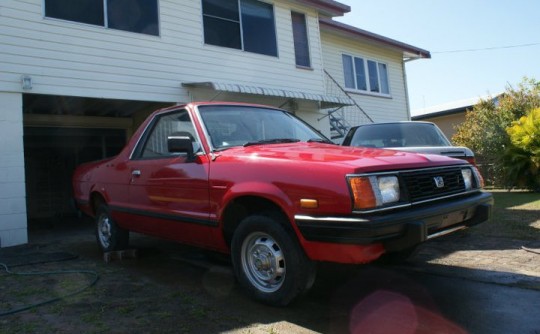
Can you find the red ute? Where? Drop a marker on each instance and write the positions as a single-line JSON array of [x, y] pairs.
[[260, 184]]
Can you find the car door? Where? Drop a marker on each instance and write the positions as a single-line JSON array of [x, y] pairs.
[[168, 192]]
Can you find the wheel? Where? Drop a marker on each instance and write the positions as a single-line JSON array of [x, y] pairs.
[[268, 261], [109, 235]]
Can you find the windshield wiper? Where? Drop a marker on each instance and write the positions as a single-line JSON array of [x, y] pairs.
[[272, 141], [319, 140], [223, 148]]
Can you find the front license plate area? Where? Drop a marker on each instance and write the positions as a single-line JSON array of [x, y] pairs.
[[450, 219]]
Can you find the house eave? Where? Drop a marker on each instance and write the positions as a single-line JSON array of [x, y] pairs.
[[409, 52], [329, 8], [441, 113]]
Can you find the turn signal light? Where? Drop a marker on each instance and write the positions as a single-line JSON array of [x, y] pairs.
[[306, 203], [362, 191]]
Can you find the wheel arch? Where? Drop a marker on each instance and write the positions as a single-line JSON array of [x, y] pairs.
[[248, 205], [96, 198]]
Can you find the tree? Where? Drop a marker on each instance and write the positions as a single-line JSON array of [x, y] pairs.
[[484, 129]]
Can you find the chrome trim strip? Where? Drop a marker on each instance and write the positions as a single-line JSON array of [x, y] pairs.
[[138, 141], [445, 197], [416, 203], [208, 139], [445, 232], [331, 219], [387, 208]]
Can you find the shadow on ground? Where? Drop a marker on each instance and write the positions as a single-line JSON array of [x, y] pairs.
[[171, 288]]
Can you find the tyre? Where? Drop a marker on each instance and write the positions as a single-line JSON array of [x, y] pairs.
[[109, 235], [269, 262]]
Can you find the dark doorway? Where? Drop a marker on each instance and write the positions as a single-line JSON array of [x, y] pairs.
[[51, 155]]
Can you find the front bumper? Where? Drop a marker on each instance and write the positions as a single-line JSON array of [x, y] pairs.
[[399, 229]]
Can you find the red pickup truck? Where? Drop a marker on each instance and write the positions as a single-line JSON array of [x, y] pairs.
[[258, 183]]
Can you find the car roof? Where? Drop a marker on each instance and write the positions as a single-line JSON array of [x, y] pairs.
[[215, 103], [396, 122]]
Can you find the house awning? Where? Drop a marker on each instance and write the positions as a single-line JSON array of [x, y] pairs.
[[326, 101]]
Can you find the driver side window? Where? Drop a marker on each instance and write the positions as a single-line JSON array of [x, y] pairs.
[[173, 124]]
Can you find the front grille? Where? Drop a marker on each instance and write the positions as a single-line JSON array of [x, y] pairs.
[[421, 184]]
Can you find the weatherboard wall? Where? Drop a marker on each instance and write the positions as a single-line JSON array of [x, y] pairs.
[[69, 58], [379, 108], [12, 180]]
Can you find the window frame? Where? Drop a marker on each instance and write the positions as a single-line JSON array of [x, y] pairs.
[[139, 149], [241, 29], [367, 75], [307, 45], [105, 19]]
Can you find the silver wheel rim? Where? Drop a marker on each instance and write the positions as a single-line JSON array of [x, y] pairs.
[[263, 262], [104, 230]]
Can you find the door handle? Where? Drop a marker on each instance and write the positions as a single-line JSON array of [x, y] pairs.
[[136, 172]]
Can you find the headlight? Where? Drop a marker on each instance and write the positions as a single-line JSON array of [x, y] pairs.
[[479, 177], [370, 192], [472, 178], [467, 178], [389, 188]]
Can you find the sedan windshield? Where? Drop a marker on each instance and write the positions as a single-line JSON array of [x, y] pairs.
[[230, 126], [398, 135]]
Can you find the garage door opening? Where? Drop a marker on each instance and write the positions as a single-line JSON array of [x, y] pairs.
[[51, 155], [61, 133]]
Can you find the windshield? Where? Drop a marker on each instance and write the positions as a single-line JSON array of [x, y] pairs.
[[230, 126], [399, 135]]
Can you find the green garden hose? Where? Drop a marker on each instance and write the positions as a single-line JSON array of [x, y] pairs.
[[44, 273]]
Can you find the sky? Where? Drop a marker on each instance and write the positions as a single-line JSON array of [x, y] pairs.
[[505, 35]]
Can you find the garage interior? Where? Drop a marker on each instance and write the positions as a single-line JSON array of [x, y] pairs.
[[60, 133]]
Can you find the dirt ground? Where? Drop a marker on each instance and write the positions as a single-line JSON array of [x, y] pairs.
[[168, 288], [171, 288]]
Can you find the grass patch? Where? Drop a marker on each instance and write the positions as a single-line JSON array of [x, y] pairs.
[[516, 200], [23, 328], [516, 215], [199, 313], [125, 309]]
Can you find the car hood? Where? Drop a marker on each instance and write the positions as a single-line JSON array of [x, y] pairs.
[[353, 158]]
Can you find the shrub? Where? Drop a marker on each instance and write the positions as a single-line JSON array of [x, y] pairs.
[[522, 158], [484, 130]]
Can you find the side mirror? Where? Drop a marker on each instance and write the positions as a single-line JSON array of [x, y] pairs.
[[181, 144]]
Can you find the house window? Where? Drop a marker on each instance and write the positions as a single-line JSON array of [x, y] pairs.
[[365, 75], [240, 24], [140, 16], [300, 36]]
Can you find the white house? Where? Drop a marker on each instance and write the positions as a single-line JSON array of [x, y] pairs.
[[77, 77]]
